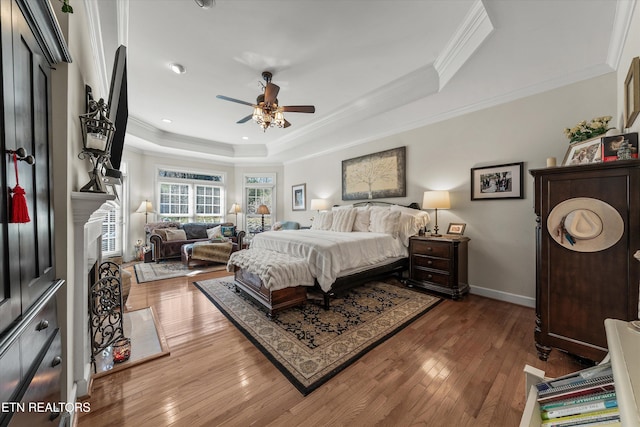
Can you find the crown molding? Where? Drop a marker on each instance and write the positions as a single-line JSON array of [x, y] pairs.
[[621, 24], [473, 31], [151, 134]]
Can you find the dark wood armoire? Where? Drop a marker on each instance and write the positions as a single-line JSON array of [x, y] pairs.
[[30, 336], [576, 291]]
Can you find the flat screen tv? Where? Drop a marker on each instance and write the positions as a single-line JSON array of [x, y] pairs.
[[118, 110]]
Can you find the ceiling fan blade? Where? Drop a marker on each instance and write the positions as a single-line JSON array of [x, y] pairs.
[[226, 98], [286, 123], [299, 109], [270, 93], [245, 119]]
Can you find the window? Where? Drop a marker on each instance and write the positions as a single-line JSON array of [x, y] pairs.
[[259, 189], [110, 239], [190, 196]]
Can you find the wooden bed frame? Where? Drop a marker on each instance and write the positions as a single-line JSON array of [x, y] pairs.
[[275, 301]]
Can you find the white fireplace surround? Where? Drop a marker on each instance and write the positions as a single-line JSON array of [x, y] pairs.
[[89, 210]]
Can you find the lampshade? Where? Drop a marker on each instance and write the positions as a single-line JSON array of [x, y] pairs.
[[263, 210], [319, 204], [235, 209], [145, 207], [436, 200]]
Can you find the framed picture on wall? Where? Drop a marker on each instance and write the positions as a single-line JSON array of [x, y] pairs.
[[632, 93], [299, 197], [497, 182]]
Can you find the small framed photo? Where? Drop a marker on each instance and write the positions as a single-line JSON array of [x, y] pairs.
[[497, 182], [299, 197], [632, 93], [456, 228], [584, 152], [610, 145]]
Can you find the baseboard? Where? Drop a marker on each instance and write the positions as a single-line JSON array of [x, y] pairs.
[[503, 296]]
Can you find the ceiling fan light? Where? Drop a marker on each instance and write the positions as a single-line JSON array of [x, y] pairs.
[[279, 119], [257, 114]]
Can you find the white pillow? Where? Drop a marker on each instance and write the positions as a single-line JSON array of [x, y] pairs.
[[176, 235], [409, 225], [214, 232], [322, 221], [422, 217], [363, 218], [343, 220], [384, 221]]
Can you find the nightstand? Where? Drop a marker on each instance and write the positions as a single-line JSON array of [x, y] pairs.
[[439, 264]]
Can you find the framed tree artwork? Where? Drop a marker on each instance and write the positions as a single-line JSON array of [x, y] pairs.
[[376, 175]]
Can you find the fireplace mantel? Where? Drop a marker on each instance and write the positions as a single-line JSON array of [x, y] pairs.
[[89, 210]]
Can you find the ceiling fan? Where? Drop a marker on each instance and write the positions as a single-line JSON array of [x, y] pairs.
[[266, 111]]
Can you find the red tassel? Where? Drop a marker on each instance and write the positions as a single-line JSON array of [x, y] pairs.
[[19, 211]]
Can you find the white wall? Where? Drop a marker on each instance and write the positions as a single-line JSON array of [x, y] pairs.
[[440, 156]]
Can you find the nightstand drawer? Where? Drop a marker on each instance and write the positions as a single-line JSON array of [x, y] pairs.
[[431, 262], [431, 248], [442, 279]]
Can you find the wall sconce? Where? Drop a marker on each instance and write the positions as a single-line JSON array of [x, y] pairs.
[[263, 210], [97, 133], [436, 200]]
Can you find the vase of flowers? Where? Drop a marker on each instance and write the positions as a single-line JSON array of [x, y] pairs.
[[587, 130]]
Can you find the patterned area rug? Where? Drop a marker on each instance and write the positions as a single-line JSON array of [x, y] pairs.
[[310, 345], [150, 271]]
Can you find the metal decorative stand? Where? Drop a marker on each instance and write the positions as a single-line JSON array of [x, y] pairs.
[[105, 309]]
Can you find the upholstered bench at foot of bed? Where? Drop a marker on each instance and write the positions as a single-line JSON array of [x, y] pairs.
[[275, 282]]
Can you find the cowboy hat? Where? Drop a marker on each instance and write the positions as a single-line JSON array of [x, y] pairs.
[[583, 224]]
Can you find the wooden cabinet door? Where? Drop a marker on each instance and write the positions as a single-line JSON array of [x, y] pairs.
[[26, 262], [32, 79], [577, 291], [10, 306]]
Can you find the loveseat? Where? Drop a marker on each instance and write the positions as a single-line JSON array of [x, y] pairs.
[[166, 241]]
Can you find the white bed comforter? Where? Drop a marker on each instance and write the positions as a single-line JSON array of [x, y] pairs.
[[330, 252]]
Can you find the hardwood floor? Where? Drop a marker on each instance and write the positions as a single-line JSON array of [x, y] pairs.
[[458, 365]]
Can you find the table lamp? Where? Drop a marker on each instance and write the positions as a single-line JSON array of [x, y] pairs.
[[235, 209], [146, 208], [263, 210], [319, 205], [436, 200]]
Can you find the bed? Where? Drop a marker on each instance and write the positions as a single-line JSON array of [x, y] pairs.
[[345, 247]]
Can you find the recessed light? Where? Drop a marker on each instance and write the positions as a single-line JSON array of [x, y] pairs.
[[167, 120], [245, 138], [178, 68]]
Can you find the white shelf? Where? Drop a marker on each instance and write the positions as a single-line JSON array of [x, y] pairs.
[[624, 352]]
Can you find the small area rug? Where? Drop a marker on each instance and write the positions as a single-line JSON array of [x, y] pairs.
[[150, 271], [310, 345]]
